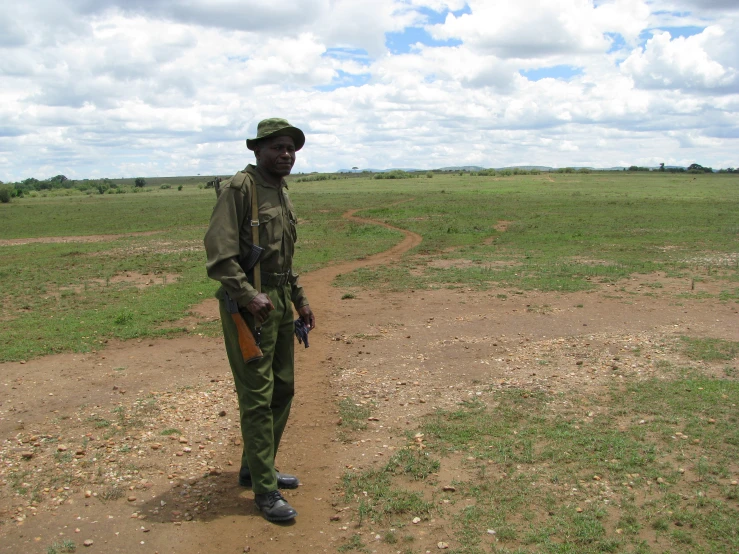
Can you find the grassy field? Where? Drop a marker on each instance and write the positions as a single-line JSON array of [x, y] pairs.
[[564, 232], [662, 470], [573, 481]]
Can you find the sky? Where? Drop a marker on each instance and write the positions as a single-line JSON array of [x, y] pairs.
[[126, 88]]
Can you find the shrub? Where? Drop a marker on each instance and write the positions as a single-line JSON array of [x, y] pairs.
[[5, 195], [165, 186], [179, 188], [139, 182]]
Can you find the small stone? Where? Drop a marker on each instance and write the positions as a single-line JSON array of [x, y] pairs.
[[222, 413], [734, 483], [132, 498], [88, 494], [27, 455], [660, 480], [596, 477], [183, 440], [416, 520], [61, 448], [88, 542], [335, 518], [711, 420], [448, 488], [247, 549], [155, 446], [579, 510], [442, 545], [187, 449]]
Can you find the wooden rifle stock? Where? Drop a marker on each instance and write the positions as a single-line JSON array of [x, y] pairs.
[[249, 347]]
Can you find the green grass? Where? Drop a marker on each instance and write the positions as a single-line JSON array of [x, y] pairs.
[[353, 416], [66, 296], [547, 480], [565, 232], [378, 495], [617, 225], [710, 350]]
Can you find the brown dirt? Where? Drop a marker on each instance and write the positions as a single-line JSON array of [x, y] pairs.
[[91, 424], [81, 238]]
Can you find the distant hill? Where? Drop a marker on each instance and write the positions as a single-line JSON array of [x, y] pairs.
[[461, 168]]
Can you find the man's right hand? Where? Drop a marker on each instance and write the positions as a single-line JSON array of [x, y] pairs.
[[260, 307]]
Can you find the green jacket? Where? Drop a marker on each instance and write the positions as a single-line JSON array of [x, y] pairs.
[[229, 235]]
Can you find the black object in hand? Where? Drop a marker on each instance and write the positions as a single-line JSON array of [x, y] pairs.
[[301, 331]]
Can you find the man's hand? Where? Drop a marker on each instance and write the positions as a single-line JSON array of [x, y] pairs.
[[307, 316], [260, 307]]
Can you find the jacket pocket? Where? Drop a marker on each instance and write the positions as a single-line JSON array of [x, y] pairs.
[[270, 228]]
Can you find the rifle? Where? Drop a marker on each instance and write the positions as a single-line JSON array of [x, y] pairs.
[[249, 346], [247, 342]]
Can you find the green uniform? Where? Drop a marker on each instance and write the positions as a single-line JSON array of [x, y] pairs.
[[264, 387]]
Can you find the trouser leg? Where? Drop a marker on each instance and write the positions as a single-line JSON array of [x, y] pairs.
[[283, 366], [264, 387]]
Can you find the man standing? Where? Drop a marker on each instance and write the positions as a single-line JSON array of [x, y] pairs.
[[264, 386]]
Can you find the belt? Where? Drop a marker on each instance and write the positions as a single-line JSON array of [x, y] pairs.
[[275, 279]]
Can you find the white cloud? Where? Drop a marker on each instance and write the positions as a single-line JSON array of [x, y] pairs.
[[667, 63], [161, 87], [535, 29]]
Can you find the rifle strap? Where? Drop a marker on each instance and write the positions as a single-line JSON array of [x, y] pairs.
[[255, 234]]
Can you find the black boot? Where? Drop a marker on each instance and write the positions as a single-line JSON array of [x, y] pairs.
[[284, 480], [274, 507]]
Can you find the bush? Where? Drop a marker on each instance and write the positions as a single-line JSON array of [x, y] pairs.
[[179, 188], [165, 186], [139, 182], [5, 195], [395, 174]]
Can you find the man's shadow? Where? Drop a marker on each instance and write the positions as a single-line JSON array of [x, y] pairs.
[[205, 498]]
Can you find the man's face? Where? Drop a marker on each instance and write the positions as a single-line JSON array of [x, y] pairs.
[[276, 156]]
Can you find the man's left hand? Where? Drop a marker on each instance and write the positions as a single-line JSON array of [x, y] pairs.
[[307, 316]]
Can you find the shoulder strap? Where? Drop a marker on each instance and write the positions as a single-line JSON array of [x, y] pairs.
[[255, 234]]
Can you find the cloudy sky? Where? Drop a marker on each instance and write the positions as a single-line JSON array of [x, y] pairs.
[[121, 88]]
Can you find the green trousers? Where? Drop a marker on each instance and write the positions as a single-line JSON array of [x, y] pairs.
[[264, 387]]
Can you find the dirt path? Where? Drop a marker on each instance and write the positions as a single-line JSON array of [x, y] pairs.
[[80, 238], [47, 394]]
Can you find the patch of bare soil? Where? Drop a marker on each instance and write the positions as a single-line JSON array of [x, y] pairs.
[[80, 238], [137, 447]]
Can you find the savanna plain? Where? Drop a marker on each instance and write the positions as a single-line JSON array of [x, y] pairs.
[[509, 363]]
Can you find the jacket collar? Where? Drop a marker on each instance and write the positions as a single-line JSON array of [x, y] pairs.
[[252, 170]]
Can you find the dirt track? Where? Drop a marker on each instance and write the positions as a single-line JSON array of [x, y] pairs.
[[407, 354]]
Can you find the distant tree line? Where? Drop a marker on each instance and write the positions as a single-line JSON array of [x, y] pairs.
[[32, 186]]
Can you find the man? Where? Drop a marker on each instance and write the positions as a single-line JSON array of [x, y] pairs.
[[265, 386]]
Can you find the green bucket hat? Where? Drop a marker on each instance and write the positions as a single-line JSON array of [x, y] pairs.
[[276, 127]]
